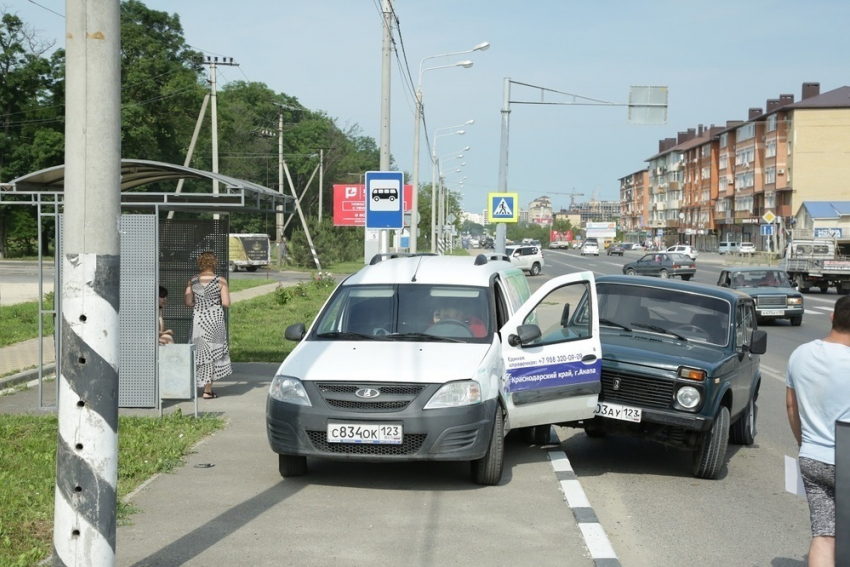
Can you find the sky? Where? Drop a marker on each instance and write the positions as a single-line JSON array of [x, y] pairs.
[[717, 59]]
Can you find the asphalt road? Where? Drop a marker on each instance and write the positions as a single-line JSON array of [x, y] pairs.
[[654, 511]]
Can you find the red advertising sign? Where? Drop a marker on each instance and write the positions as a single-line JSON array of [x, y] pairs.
[[350, 204]]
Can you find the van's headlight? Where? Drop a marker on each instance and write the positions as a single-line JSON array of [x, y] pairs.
[[688, 397], [290, 390], [456, 394]]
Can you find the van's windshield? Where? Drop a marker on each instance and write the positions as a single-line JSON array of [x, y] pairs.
[[407, 312]]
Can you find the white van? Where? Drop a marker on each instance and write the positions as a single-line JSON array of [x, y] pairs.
[[421, 357], [728, 246]]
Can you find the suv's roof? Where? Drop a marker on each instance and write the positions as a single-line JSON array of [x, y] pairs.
[[678, 285], [448, 270]]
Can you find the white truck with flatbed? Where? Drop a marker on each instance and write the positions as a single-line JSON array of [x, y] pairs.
[[818, 262]]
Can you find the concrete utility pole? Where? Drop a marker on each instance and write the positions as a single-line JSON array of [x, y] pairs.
[[279, 215], [213, 62], [87, 443], [191, 151], [321, 180], [385, 101]]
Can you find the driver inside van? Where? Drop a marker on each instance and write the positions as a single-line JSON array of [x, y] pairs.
[[451, 311]]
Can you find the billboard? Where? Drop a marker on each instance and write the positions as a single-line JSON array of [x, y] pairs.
[[350, 204], [601, 229]]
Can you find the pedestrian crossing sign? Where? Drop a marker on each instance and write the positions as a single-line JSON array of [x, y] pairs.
[[503, 207]]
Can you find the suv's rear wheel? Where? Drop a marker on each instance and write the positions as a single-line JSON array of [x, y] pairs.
[[535, 269], [291, 465], [488, 469], [744, 429], [711, 453]]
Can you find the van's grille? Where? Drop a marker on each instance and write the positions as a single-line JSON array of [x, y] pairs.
[[640, 390], [385, 397]]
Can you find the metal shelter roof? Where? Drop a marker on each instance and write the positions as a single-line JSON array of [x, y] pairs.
[[235, 195], [827, 209]]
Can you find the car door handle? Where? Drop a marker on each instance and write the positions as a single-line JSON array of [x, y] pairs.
[[588, 358]]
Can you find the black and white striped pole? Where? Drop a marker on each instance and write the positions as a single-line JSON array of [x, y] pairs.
[[87, 447]]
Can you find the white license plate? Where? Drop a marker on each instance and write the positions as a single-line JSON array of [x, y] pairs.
[[365, 433], [616, 411], [768, 312]]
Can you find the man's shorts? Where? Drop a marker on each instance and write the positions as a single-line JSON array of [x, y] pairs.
[[819, 480]]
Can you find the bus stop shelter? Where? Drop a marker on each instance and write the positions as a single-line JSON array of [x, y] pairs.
[[155, 251]]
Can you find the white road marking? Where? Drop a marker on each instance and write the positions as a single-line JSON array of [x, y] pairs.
[[595, 538]]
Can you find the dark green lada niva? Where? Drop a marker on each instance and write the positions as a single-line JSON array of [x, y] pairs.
[[680, 365]]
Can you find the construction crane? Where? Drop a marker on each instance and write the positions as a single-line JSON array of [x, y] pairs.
[[573, 194]]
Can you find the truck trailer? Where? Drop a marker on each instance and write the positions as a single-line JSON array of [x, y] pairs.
[[248, 252]]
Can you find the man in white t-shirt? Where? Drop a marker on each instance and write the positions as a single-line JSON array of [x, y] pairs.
[[818, 395]]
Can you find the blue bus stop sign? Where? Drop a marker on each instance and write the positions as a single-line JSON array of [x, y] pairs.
[[384, 199]]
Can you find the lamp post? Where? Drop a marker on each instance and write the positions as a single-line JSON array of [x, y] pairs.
[[414, 205], [434, 163], [441, 204]]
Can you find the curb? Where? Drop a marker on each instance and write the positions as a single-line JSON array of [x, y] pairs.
[[25, 376]]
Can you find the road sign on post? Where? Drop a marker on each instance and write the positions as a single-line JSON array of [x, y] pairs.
[[503, 207], [384, 199]]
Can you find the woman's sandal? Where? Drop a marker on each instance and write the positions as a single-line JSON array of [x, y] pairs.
[[210, 395]]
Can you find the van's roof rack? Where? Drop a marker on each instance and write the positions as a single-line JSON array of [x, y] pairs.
[[390, 255]]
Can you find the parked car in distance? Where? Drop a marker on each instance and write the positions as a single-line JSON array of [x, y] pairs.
[[564, 244], [662, 265], [615, 250], [774, 295], [526, 258], [728, 246], [680, 366], [553, 245], [576, 244], [590, 249], [688, 251], [747, 248]]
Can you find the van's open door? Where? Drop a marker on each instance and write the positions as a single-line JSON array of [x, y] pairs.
[[552, 355]]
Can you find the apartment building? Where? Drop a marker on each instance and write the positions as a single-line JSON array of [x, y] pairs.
[[540, 211], [728, 182], [634, 201]]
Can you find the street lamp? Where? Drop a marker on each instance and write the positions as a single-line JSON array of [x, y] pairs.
[[414, 205], [434, 163]]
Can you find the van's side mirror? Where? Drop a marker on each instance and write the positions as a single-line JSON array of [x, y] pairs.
[[525, 334], [295, 332]]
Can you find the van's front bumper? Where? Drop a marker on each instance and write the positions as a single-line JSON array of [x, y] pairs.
[[449, 434]]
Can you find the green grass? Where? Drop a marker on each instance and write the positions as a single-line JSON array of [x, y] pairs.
[[257, 325], [146, 446], [19, 322]]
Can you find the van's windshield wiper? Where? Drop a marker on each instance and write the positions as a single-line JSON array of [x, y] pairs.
[[611, 323], [351, 336], [658, 329], [422, 337]]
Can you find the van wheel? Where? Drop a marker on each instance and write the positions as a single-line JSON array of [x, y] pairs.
[[535, 269], [488, 469], [744, 430], [537, 435], [232, 267], [291, 465], [711, 453]]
